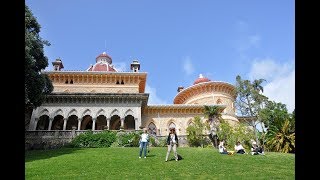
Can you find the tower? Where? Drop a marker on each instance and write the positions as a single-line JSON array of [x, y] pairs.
[[57, 65], [135, 66]]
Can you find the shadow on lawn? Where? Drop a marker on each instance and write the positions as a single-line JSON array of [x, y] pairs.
[[33, 155], [151, 155]]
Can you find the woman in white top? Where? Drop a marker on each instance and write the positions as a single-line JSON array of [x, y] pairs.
[[222, 149], [239, 148], [144, 138]]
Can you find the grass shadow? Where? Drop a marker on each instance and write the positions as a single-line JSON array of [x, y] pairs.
[[34, 155]]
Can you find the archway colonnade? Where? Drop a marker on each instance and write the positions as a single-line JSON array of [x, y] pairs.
[[90, 119], [85, 123]]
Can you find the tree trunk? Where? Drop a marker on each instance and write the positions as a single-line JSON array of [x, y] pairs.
[[255, 134], [215, 141]]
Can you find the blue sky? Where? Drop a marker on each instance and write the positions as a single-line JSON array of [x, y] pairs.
[[175, 41]]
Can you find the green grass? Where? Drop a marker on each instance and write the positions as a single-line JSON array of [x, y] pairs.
[[123, 163]]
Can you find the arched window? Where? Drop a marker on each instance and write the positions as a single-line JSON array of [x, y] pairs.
[[152, 129], [172, 125]]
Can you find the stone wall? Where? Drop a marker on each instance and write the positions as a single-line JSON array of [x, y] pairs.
[[49, 139], [55, 139]]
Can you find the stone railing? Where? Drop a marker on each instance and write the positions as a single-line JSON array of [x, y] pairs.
[[44, 139]]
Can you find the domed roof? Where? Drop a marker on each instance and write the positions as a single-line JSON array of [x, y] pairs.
[[102, 67], [104, 54], [103, 63], [201, 79], [104, 57]]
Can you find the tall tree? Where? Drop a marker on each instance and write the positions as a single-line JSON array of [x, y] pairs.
[[214, 116], [273, 113], [250, 101], [280, 127], [37, 85]]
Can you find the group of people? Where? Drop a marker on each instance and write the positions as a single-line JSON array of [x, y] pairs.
[[172, 143], [238, 148]]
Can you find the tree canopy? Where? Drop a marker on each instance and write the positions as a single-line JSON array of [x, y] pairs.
[[37, 85], [250, 101]]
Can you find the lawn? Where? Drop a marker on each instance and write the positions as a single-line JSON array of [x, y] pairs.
[[123, 163]]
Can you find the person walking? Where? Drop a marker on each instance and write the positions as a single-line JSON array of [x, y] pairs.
[[144, 138], [172, 142]]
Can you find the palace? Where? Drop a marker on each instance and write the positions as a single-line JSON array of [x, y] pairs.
[[101, 98]]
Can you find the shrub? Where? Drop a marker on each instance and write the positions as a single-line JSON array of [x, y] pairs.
[[195, 131], [88, 139], [232, 134], [124, 139]]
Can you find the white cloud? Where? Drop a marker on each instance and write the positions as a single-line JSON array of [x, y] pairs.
[[153, 98], [280, 85], [268, 69], [188, 66]]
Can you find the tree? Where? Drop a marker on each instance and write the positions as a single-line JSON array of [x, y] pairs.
[[214, 116], [37, 85], [250, 101], [232, 134], [273, 113], [280, 127], [195, 132], [280, 138]]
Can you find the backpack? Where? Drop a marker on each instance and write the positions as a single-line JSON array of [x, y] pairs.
[[179, 157]]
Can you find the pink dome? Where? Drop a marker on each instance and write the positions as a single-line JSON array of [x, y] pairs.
[[104, 55], [102, 67], [201, 79]]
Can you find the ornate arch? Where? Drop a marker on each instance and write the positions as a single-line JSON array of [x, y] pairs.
[[101, 112], [190, 122], [44, 112], [86, 112], [171, 123], [129, 112], [73, 112], [115, 112], [58, 112], [152, 128]]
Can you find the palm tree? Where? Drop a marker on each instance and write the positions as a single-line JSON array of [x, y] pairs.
[[281, 138], [214, 115], [257, 84]]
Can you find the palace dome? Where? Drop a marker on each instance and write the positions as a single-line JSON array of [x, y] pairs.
[[201, 79], [102, 67], [103, 63], [104, 57]]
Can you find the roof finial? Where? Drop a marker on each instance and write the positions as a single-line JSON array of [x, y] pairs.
[[200, 76]]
